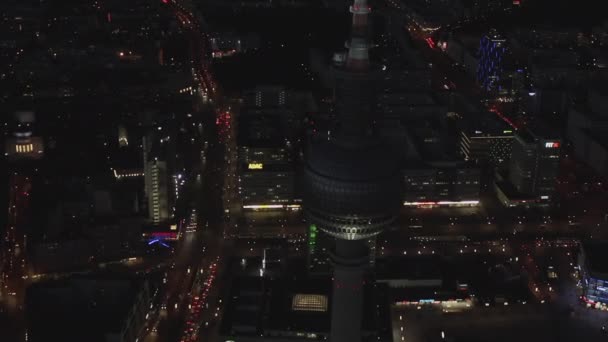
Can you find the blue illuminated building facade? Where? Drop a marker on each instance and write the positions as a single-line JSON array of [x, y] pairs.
[[492, 52], [593, 265], [596, 290]]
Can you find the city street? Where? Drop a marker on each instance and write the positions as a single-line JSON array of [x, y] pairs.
[[222, 171], [190, 309], [13, 263], [190, 292]]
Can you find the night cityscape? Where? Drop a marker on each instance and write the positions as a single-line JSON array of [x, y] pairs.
[[303, 170]]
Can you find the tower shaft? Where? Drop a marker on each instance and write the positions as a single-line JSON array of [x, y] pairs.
[[353, 182], [358, 49], [349, 261], [360, 11]]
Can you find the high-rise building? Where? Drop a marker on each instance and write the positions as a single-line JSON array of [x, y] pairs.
[[267, 186], [594, 271], [449, 184], [487, 140], [266, 96], [434, 174], [157, 189], [587, 129], [353, 185], [534, 163], [492, 55], [266, 171], [162, 178]]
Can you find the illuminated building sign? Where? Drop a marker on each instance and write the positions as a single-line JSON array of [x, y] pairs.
[[255, 166], [162, 235], [552, 144]]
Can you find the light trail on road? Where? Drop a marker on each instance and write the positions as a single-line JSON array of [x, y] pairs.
[[13, 265], [190, 281]]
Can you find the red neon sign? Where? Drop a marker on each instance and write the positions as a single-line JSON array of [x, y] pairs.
[[164, 235]]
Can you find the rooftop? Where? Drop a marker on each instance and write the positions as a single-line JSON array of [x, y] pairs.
[[413, 268], [537, 132], [509, 190], [486, 125], [309, 302], [290, 306], [260, 131], [597, 254], [599, 136], [80, 308]]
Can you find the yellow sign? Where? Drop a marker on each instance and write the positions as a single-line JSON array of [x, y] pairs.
[[256, 166]]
